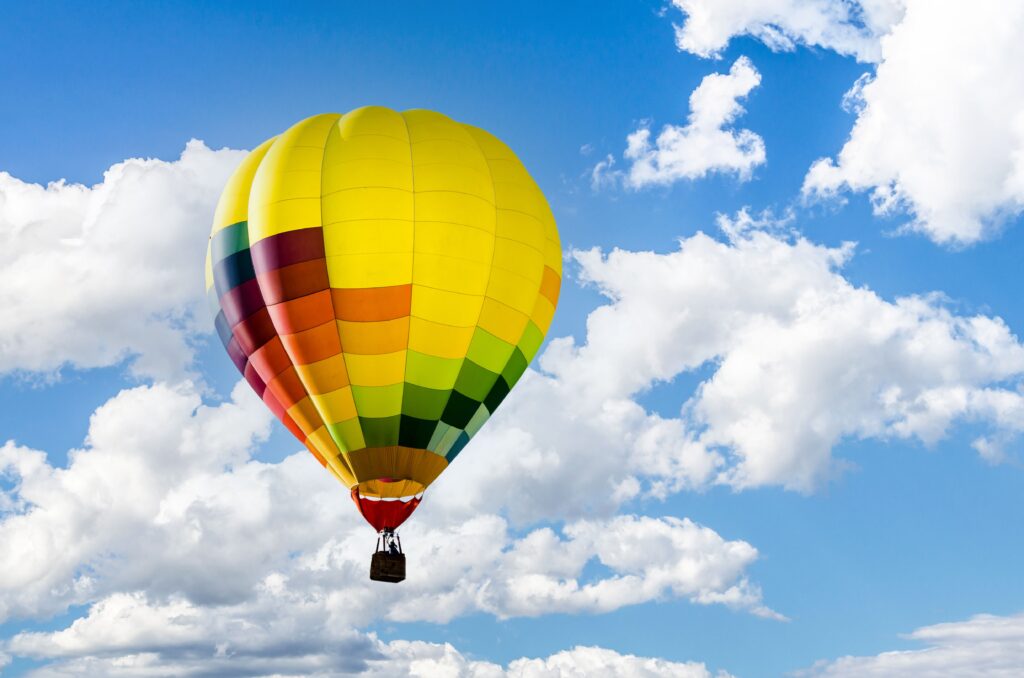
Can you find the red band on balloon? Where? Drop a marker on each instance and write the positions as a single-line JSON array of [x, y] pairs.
[[384, 514]]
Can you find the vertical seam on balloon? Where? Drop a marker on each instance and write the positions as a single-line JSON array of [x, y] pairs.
[[277, 333], [306, 437], [334, 313], [412, 274], [529, 316], [248, 249], [490, 267]]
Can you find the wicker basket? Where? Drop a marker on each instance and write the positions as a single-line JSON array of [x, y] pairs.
[[388, 567]]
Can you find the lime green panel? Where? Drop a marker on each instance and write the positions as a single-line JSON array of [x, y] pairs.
[[488, 351], [430, 371], [378, 401], [347, 435], [531, 341]]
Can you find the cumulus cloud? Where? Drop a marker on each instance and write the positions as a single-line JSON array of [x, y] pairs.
[[90, 276], [849, 27], [801, 359], [169, 517], [984, 645], [125, 635], [939, 133], [428, 659], [706, 144], [159, 496], [940, 126], [167, 521]]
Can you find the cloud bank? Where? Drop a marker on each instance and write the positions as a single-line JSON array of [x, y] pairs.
[[801, 360], [940, 125], [171, 518], [939, 131], [188, 552], [91, 276]]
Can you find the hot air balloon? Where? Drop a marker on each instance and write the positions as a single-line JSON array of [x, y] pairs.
[[382, 279]]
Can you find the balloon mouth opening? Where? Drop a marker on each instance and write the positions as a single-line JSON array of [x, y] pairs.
[[386, 512]]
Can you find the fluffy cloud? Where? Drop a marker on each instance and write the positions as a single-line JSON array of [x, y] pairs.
[[801, 359], [172, 510], [984, 645], [702, 146], [425, 659], [850, 27], [159, 497], [167, 524], [940, 125], [90, 276], [126, 636], [939, 133]]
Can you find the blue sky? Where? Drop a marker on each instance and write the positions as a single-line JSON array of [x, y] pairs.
[[915, 529]]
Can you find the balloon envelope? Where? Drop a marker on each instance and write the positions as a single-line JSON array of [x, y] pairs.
[[382, 280]]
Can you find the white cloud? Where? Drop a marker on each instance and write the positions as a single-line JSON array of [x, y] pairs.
[[986, 646], [939, 133], [165, 520], [477, 565], [850, 27], [90, 276], [704, 145], [801, 360], [125, 635], [160, 497], [160, 512], [940, 125], [428, 659]]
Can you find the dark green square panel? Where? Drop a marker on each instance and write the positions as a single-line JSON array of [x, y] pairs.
[[422, 402], [415, 432], [380, 431], [496, 395], [459, 410], [515, 368], [474, 381]]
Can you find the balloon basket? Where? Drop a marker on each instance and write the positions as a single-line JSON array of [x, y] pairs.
[[387, 567], [388, 562]]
